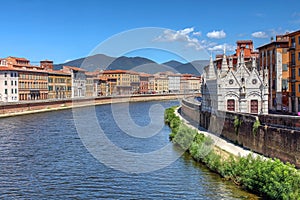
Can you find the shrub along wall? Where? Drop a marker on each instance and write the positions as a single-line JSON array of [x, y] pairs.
[[252, 132], [270, 178]]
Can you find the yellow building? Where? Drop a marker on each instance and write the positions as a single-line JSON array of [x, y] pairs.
[[161, 85], [193, 84], [91, 84], [59, 84], [294, 57], [119, 81], [134, 82]]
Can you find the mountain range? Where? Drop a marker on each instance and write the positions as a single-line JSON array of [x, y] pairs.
[[139, 64]]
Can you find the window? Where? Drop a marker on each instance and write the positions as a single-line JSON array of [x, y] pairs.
[[254, 106], [284, 50], [230, 105], [298, 71], [5, 82], [293, 74], [16, 91], [285, 84], [12, 91], [12, 83], [15, 82], [293, 42], [11, 74], [293, 59], [298, 87], [284, 67], [5, 74], [5, 91]]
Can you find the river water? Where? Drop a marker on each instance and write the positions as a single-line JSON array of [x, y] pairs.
[[42, 156]]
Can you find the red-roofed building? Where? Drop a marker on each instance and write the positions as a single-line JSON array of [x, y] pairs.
[[249, 52], [32, 80]]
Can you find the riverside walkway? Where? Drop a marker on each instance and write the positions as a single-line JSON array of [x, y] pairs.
[[220, 142]]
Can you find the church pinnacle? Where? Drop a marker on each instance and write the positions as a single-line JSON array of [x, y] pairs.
[[211, 69], [224, 67]]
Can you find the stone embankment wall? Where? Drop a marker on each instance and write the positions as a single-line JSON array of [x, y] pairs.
[[276, 137], [20, 108]]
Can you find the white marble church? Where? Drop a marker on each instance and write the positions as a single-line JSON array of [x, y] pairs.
[[235, 88]]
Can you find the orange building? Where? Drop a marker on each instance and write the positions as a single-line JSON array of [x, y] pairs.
[[274, 57], [144, 83], [33, 80], [246, 46], [294, 65]]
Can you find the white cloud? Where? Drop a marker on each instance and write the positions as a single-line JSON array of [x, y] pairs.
[[184, 36], [216, 34], [187, 37], [259, 34], [220, 48], [197, 33]]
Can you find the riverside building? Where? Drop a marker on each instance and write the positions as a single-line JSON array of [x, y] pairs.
[[235, 88], [274, 58], [294, 66]]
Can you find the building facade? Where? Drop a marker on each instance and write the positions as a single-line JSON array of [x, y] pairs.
[[32, 80], [174, 83], [294, 66], [274, 57], [9, 91], [78, 80], [236, 90]]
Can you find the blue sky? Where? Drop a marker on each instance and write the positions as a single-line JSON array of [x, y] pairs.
[[61, 30]]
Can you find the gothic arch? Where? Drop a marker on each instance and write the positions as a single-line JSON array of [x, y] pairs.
[[231, 94], [254, 94]]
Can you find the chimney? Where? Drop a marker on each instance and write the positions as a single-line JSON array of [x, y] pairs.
[[46, 64]]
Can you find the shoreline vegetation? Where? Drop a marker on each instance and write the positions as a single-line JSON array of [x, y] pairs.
[[266, 177]]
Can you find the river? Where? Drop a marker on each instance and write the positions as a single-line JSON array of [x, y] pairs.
[[42, 156]]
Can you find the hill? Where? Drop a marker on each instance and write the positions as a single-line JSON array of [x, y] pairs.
[[173, 63], [139, 64], [194, 67]]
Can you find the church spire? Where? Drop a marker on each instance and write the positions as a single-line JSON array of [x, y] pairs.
[[224, 67], [211, 69], [230, 63], [242, 57], [254, 63]]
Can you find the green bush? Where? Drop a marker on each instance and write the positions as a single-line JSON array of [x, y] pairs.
[[256, 125], [184, 137], [270, 178], [237, 123]]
